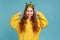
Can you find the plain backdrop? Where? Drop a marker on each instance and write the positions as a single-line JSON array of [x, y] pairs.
[[50, 8]]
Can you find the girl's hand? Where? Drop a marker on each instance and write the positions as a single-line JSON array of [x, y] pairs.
[[37, 13], [19, 13]]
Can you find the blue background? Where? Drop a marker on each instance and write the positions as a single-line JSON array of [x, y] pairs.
[[50, 8]]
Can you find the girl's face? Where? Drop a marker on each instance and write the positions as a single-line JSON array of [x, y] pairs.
[[29, 12]]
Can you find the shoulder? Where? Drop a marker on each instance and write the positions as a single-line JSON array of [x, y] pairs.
[[38, 20], [19, 20]]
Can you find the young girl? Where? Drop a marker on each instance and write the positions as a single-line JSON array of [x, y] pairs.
[[30, 25]]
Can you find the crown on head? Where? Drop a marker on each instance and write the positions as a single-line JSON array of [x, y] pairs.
[[29, 4]]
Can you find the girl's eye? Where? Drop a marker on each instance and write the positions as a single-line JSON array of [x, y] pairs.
[[27, 10], [31, 11]]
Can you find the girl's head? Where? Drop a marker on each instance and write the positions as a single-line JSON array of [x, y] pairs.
[[29, 12]]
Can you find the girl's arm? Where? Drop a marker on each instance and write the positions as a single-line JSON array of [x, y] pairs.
[[14, 20], [42, 19]]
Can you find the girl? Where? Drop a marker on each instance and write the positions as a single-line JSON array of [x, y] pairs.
[[30, 25]]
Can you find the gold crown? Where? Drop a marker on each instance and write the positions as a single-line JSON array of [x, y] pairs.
[[29, 4]]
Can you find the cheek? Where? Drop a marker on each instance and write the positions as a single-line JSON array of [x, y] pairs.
[[27, 13], [31, 13]]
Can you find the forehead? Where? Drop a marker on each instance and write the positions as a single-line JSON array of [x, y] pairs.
[[29, 8]]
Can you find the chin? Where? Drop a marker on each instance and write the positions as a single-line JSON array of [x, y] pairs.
[[29, 16]]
